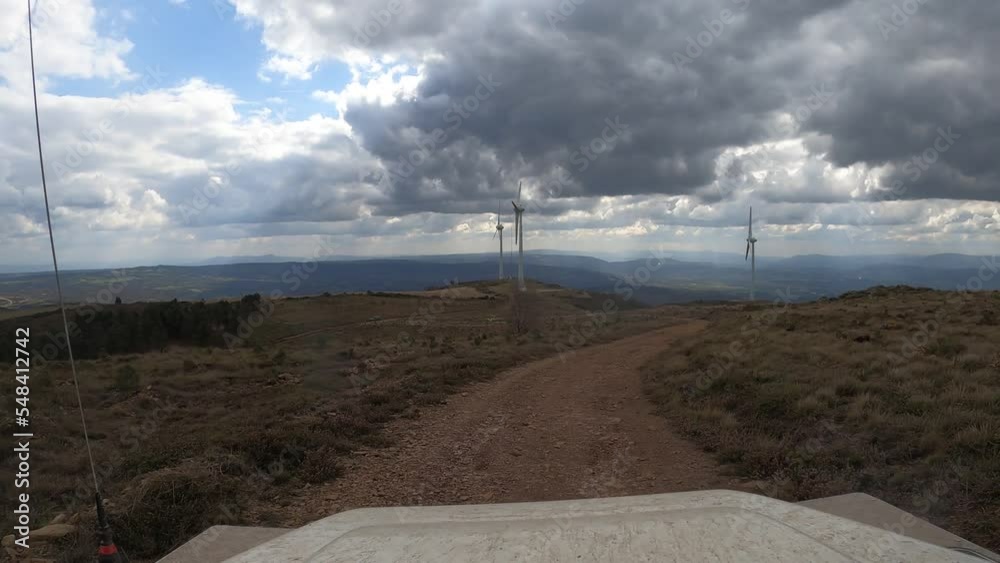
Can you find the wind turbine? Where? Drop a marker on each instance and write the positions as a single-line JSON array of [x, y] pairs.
[[752, 256], [499, 231], [519, 237]]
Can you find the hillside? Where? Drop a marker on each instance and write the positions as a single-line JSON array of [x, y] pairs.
[[893, 392], [191, 432], [653, 280], [888, 391]]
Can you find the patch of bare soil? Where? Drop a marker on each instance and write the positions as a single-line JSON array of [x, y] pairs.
[[547, 430]]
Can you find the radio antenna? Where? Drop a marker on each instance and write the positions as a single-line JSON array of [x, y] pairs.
[[107, 552]]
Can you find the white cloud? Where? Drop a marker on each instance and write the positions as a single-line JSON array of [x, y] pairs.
[[126, 172], [66, 43], [290, 67], [384, 87]]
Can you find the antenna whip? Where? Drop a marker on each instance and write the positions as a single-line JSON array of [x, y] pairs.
[[107, 552]]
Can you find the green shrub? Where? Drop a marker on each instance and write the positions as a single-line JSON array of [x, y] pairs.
[[170, 506], [946, 348], [320, 466], [126, 379], [989, 318]]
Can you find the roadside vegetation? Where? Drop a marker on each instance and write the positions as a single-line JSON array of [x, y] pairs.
[[101, 330], [192, 433], [894, 392]]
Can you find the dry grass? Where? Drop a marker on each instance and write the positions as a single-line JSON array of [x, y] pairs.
[[523, 310], [463, 292], [891, 392], [203, 436]]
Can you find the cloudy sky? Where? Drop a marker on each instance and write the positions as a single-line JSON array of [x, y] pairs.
[[176, 130]]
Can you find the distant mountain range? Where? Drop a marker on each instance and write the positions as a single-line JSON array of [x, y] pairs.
[[650, 280]]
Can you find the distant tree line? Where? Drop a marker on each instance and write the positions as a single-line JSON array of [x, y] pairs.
[[129, 329]]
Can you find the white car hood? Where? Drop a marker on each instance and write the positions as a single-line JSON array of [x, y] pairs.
[[707, 526]]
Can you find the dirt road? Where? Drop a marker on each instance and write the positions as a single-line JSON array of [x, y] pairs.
[[547, 430]]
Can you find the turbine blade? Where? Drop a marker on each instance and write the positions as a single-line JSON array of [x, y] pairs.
[[519, 192], [494, 234], [748, 251], [750, 224]]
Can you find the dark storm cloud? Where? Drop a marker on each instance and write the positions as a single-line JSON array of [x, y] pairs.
[[685, 80], [321, 184], [897, 80], [558, 90], [929, 67], [309, 192]]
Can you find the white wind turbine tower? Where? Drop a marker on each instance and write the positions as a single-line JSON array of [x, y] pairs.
[[752, 256], [519, 237], [499, 231]]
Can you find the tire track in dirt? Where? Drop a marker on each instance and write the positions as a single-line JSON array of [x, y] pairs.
[[546, 430]]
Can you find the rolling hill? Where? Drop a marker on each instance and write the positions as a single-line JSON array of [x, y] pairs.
[[651, 280]]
